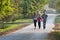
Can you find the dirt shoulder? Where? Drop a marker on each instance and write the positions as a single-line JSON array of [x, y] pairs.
[[55, 34]]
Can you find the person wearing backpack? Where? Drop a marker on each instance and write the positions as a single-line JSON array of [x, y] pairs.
[[44, 17]]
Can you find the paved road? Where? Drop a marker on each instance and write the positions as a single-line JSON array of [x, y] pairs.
[[28, 33]]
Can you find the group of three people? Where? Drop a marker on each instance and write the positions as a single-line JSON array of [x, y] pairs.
[[38, 18]]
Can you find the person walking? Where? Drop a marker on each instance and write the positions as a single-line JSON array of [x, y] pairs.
[[35, 19], [44, 17], [39, 21]]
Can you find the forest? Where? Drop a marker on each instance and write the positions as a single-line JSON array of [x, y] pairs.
[[15, 9]]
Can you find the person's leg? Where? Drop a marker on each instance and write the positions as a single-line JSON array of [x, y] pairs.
[[44, 24], [35, 24], [39, 24]]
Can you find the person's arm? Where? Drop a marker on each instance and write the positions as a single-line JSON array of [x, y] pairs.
[[46, 16], [42, 16]]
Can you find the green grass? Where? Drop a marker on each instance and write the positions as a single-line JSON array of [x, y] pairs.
[[57, 19], [57, 35], [24, 20], [10, 27], [14, 26]]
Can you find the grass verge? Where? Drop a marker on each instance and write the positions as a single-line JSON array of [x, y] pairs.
[[22, 20], [55, 35], [14, 26]]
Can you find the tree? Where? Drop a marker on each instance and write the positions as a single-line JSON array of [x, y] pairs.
[[6, 11], [30, 6], [55, 4]]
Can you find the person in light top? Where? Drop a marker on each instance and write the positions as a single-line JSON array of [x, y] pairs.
[[35, 19]]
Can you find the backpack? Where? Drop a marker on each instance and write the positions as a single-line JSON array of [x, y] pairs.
[[44, 16]]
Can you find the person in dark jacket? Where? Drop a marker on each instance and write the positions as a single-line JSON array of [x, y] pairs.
[[44, 17], [39, 21], [35, 19]]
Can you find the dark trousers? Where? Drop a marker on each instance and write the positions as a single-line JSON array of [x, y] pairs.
[[35, 23], [39, 24], [44, 24]]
